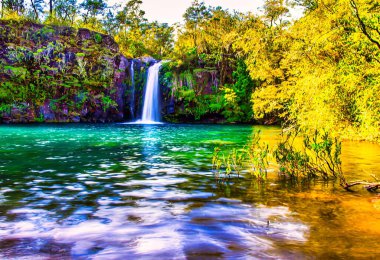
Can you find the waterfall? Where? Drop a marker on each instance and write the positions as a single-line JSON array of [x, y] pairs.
[[132, 100], [151, 113]]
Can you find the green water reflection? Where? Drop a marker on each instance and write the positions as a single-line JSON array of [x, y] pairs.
[[120, 191]]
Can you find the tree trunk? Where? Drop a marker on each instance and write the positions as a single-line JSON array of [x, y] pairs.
[[34, 9]]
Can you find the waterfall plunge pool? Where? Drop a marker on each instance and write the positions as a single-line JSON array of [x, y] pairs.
[[147, 191]]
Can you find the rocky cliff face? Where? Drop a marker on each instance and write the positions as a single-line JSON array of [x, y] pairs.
[[188, 96], [60, 74]]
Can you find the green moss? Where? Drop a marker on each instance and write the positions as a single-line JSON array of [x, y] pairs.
[[34, 69], [98, 38], [200, 70], [39, 119]]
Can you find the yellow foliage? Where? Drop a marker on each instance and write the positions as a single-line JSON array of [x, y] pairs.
[[13, 15], [323, 72]]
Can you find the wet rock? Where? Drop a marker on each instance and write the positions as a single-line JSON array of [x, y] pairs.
[[15, 115], [69, 57], [119, 83], [148, 60], [75, 119], [31, 115], [206, 80], [47, 112], [65, 31], [84, 34], [170, 108], [109, 42]]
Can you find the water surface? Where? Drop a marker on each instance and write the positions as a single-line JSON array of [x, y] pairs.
[[147, 191]]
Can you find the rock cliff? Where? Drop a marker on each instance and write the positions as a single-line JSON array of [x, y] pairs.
[[62, 74]]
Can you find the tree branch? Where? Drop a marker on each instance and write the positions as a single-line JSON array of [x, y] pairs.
[[369, 186], [362, 24]]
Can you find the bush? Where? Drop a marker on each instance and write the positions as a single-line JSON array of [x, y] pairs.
[[317, 156]]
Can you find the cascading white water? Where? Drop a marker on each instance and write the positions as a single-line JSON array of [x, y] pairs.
[[151, 113], [132, 101]]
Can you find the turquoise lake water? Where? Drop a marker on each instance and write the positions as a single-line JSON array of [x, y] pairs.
[[119, 191]]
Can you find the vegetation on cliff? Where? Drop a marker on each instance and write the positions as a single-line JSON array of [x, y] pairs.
[[319, 72], [51, 73], [135, 35]]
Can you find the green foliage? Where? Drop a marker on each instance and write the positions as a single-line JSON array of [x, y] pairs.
[[252, 157], [42, 35], [317, 156], [39, 119], [319, 72], [257, 155], [36, 70], [93, 8], [5, 108], [166, 74], [198, 91], [232, 111], [108, 102], [299, 155], [237, 103], [98, 38], [137, 37], [65, 12]]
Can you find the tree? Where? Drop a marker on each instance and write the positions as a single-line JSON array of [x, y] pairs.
[[369, 23], [110, 23], [197, 13], [51, 7], [131, 30], [17, 6], [66, 11], [138, 37], [309, 5], [158, 39], [92, 8], [131, 17], [37, 7], [275, 11]]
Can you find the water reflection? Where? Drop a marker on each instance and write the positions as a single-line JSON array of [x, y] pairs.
[[151, 143], [146, 191]]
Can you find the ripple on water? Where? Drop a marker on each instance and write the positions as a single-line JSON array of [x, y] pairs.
[[4, 190], [76, 187], [161, 168], [150, 182], [29, 211], [149, 226], [117, 176], [43, 171], [155, 193], [91, 183], [126, 199], [59, 157]]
